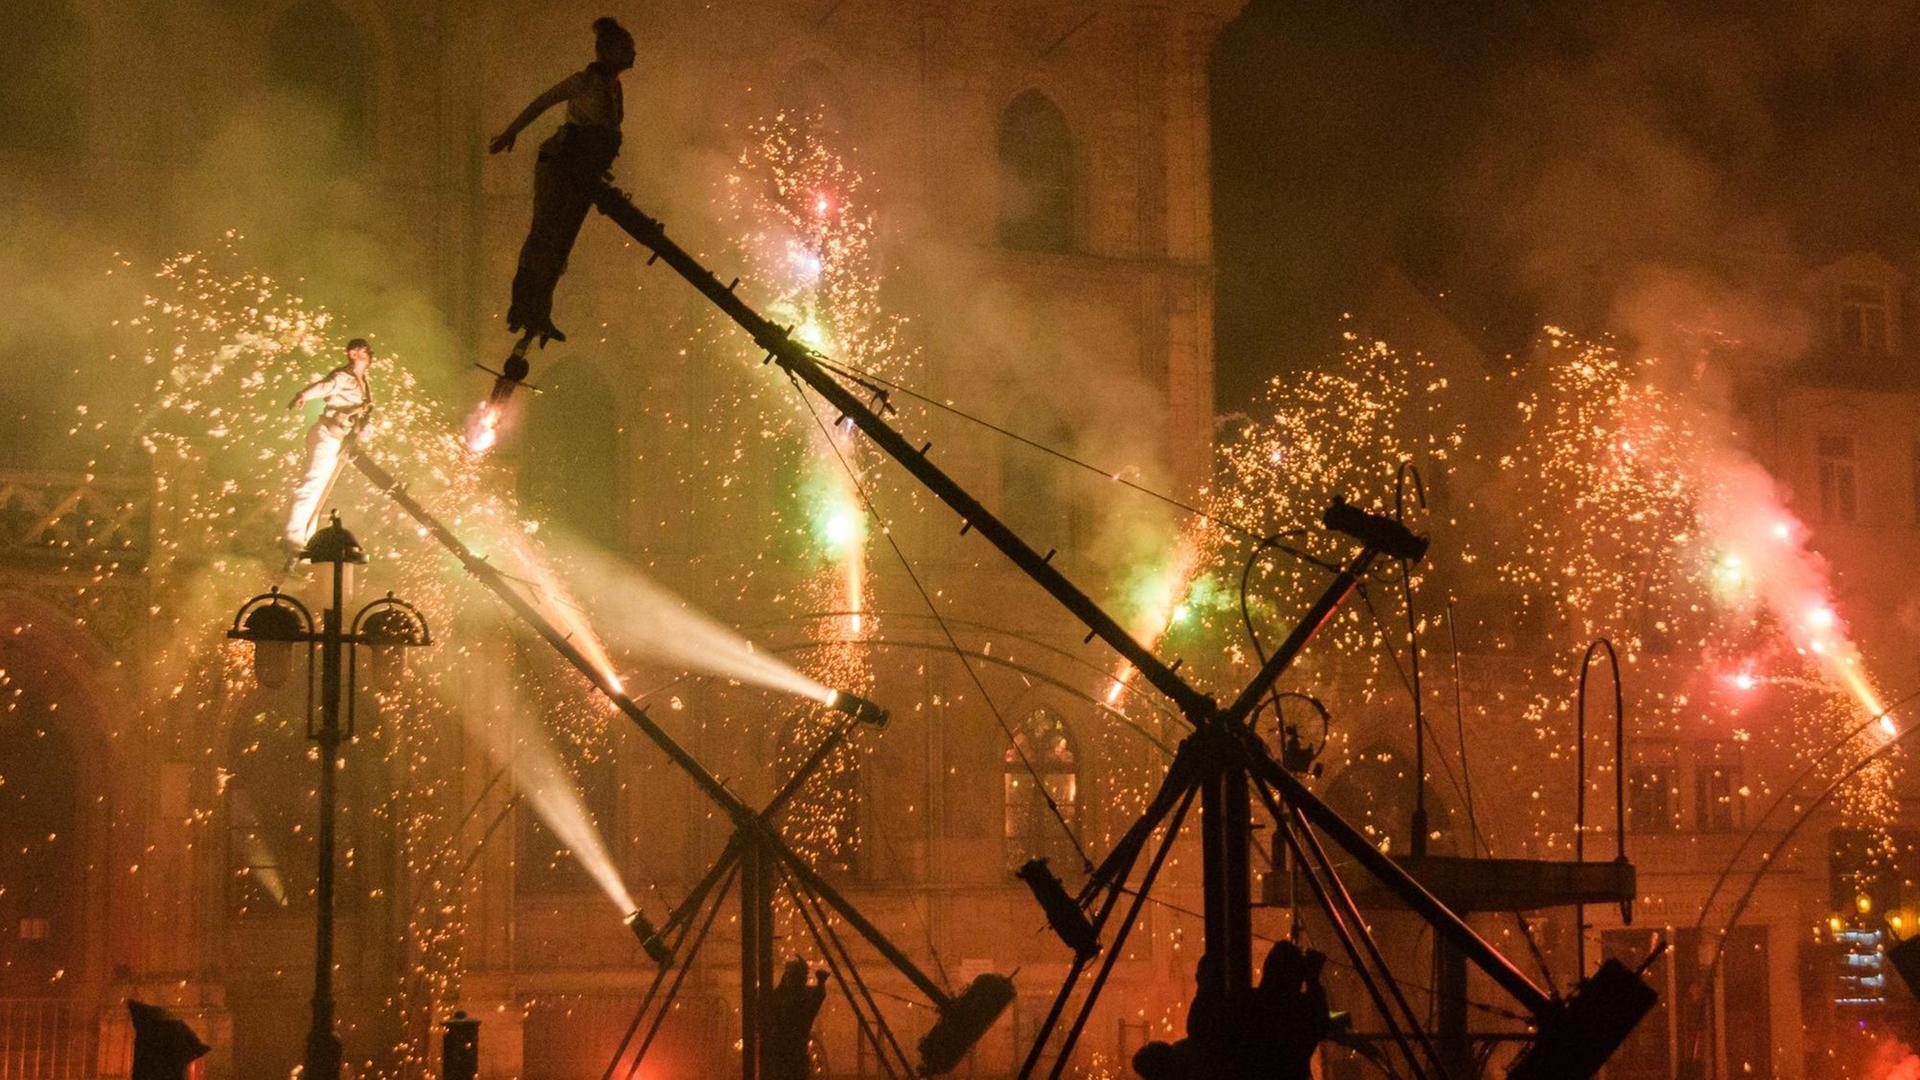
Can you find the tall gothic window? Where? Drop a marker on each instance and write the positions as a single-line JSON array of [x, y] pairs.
[[42, 78], [318, 60], [1038, 764], [40, 860], [545, 863], [1865, 323], [572, 472], [1036, 176], [1838, 499], [1036, 490]]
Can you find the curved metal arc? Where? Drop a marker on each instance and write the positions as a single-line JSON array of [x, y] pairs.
[[1772, 856], [1619, 752], [1418, 832], [1156, 702], [1594, 648], [391, 602], [1726, 872], [973, 654], [272, 598]]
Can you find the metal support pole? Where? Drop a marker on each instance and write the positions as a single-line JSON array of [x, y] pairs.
[[1450, 988], [756, 955], [323, 1046], [1224, 876]]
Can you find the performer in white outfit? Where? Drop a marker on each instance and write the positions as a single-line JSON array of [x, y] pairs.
[[346, 398]]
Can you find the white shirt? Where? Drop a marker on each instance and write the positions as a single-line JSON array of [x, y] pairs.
[[340, 390]]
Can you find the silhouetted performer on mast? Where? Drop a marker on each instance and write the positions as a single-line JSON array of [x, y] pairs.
[[791, 1007], [571, 161]]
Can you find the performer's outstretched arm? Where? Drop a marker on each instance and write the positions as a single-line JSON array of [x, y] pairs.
[[556, 94], [314, 389]]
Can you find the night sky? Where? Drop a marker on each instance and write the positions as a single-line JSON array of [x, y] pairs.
[[1502, 153]]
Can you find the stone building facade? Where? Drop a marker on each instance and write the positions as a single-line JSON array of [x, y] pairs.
[[1040, 175]]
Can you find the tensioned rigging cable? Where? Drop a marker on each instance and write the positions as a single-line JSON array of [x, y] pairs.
[[1013, 740], [874, 382]]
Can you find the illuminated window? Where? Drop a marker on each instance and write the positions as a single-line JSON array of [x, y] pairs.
[[1838, 499], [1041, 764], [1036, 176], [270, 804], [1864, 319], [1717, 802], [1651, 783]]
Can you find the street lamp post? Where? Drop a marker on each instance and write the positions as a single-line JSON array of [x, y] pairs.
[[274, 623]]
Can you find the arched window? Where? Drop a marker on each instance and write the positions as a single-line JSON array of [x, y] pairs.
[[42, 78], [572, 471], [1036, 176], [41, 858], [270, 808], [1041, 762], [317, 58], [544, 862], [1036, 492]]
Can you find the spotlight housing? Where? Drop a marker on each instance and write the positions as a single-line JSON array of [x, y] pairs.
[[963, 1019], [1375, 530], [649, 936], [1579, 1034], [1066, 918], [857, 707]]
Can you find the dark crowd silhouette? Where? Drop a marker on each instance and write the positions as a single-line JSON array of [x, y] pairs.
[[1269, 1033]]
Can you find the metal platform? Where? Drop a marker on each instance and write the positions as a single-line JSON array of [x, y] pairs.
[[1472, 885]]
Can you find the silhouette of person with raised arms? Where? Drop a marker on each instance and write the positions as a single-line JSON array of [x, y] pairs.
[[792, 1006], [1270, 1033], [571, 161]]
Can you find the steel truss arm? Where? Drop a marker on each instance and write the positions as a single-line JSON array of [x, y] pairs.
[[744, 817]]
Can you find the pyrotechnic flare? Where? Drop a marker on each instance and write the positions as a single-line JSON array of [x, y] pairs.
[[347, 397]]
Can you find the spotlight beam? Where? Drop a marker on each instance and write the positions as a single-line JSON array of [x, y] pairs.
[[962, 1017], [744, 816]]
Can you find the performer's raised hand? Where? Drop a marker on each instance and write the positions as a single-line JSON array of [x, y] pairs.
[[501, 142], [294, 402]]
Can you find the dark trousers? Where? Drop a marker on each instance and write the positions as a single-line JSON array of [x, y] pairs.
[[570, 164]]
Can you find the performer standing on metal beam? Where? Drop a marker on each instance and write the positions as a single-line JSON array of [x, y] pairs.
[[347, 397], [571, 160]]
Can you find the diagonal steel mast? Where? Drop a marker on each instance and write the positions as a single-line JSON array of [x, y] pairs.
[[803, 363]]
